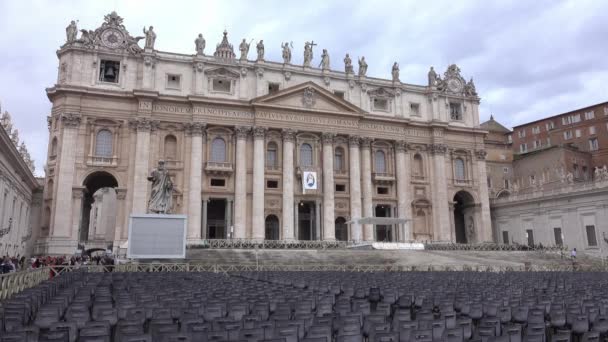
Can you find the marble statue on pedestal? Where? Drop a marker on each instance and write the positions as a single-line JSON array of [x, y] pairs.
[[348, 65], [362, 66], [260, 48], [244, 48], [150, 37], [200, 44], [162, 190], [395, 72], [324, 60], [71, 32], [308, 53], [286, 53], [432, 77]]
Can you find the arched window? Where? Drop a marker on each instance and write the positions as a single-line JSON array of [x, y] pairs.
[[339, 159], [54, 147], [459, 169], [103, 143], [380, 161], [171, 147], [305, 155], [418, 167], [271, 155], [218, 150]]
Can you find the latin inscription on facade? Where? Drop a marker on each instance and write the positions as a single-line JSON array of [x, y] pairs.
[[303, 118]]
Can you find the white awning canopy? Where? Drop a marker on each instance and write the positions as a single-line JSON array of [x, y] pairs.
[[379, 220]]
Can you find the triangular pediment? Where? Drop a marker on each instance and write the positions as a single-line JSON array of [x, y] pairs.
[[308, 96]]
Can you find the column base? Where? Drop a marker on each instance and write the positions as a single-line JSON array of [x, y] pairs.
[[55, 246]]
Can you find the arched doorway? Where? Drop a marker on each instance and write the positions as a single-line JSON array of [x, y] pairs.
[[464, 217], [93, 182], [272, 227], [341, 229]]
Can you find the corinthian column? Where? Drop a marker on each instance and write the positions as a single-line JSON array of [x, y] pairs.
[[355, 186], [240, 183], [288, 222], [65, 177], [257, 219], [196, 131], [366, 178], [329, 231], [441, 220], [485, 226], [403, 194], [142, 127]]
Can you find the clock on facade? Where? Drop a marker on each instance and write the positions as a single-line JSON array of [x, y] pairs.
[[454, 85], [112, 38]]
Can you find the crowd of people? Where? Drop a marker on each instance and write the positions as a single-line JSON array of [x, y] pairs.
[[21, 263]]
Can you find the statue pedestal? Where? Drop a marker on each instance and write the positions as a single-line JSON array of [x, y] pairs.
[[157, 236]]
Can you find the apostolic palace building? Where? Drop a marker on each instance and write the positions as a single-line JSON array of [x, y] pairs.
[[257, 149]]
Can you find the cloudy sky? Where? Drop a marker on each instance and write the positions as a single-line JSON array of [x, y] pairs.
[[529, 59]]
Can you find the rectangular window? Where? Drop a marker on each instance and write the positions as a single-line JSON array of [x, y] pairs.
[[509, 138], [557, 234], [507, 184], [505, 237], [505, 170], [530, 236], [536, 130], [380, 104], [414, 109], [576, 118], [489, 182], [455, 111], [592, 130], [108, 71], [272, 184], [218, 182], [593, 145], [537, 143], [589, 115], [340, 188], [173, 81], [522, 133], [523, 148], [591, 239], [549, 125], [339, 94], [606, 111], [221, 85], [565, 120], [273, 88], [575, 168], [382, 190], [567, 135], [577, 133]]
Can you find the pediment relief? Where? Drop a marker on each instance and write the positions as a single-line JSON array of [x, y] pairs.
[[222, 72], [309, 96], [381, 92]]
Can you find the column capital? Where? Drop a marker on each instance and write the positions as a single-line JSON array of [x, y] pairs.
[[121, 194], [354, 140], [242, 131], [143, 124], [195, 128], [481, 154], [438, 148], [328, 138], [259, 132], [401, 145], [366, 142], [288, 134], [71, 120]]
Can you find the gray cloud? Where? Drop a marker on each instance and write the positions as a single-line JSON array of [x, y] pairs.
[[529, 59]]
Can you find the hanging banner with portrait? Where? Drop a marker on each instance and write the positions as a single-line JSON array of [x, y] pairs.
[[309, 181]]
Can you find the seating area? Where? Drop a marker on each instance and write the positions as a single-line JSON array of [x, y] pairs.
[[311, 307]]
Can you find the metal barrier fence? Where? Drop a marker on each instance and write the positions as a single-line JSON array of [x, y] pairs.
[[492, 247], [267, 244]]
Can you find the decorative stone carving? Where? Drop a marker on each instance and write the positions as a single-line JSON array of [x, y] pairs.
[[395, 72], [354, 140], [71, 32], [7, 122], [327, 138], [150, 38], [121, 194], [141, 124], [260, 72], [308, 53], [481, 154], [362, 67], [401, 145], [199, 44], [324, 60], [288, 134], [195, 128], [469, 89], [326, 80], [259, 132], [198, 66], [224, 50], [70, 120], [351, 84], [49, 122], [438, 148], [242, 132], [382, 93], [244, 48], [348, 65], [366, 142], [286, 54], [244, 72], [260, 48], [149, 61], [111, 35], [77, 193], [287, 75], [15, 137], [161, 196], [308, 97]]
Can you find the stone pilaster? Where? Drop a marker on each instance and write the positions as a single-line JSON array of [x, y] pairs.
[[329, 232], [120, 233], [288, 207], [403, 188], [77, 195], [142, 126], [257, 220], [441, 220], [355, 186], [485, 226], [366, 179], [240, 183], [196, 132], [61, 227]]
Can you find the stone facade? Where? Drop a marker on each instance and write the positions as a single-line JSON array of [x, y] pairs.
[[238, 135]]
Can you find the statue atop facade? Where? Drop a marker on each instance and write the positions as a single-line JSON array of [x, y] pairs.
[[6, 122], [324, 60], [162, 190], [286, 53], [260, 48], [308, 53], [200, 44], [348, 65], [469, 88], [71, 32], [150, 37], [244, 48], [362, 66], [15, 137], [395, 72], [432, 77]]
